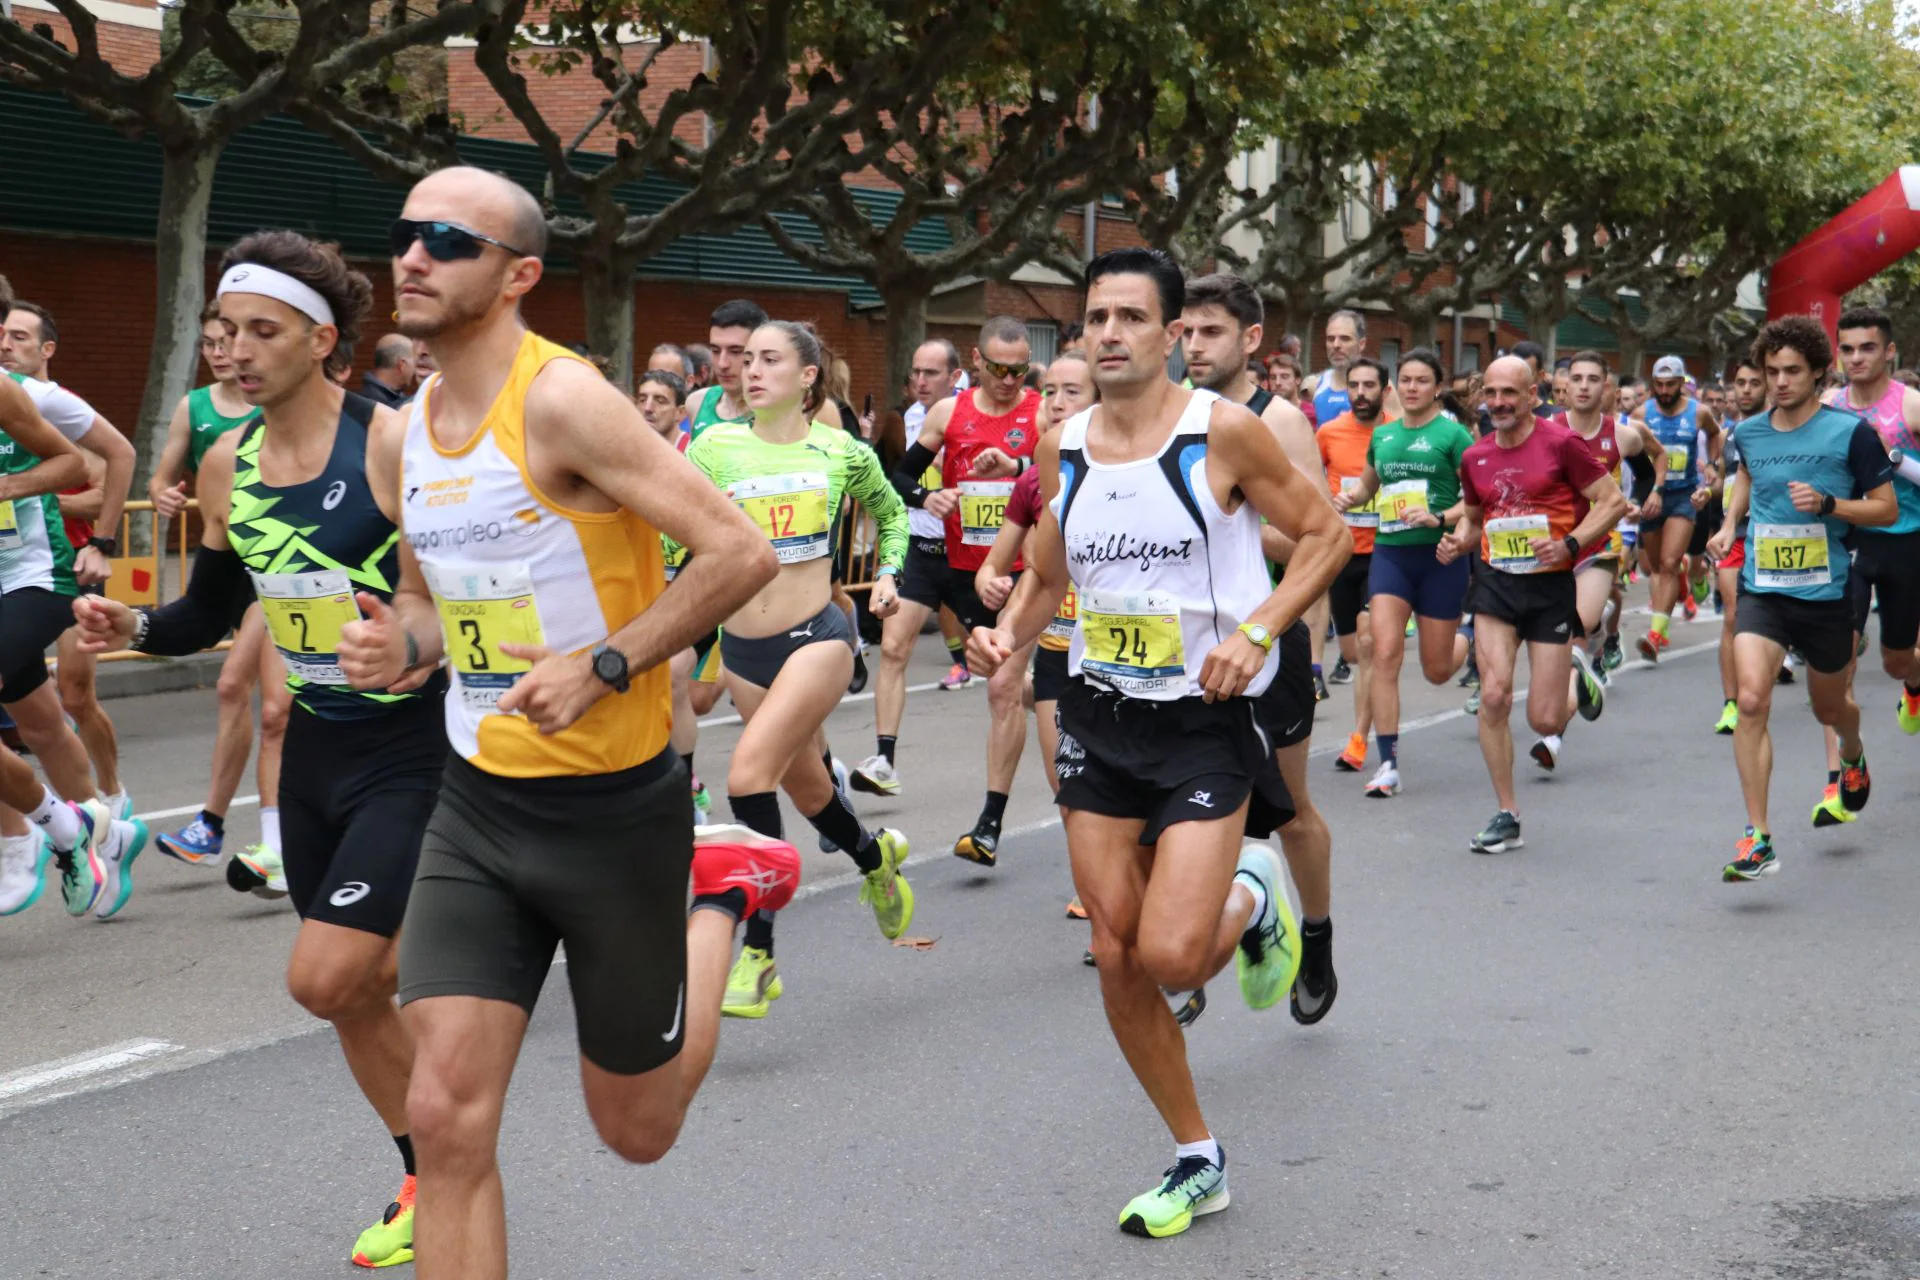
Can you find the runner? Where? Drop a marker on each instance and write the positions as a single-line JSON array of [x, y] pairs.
[[1345, 443], [1749, 399], [984, 439], [1667, 515], [1541, 500], [203, 416], [1411, 476], [925, 581], [1886, 561], [1795, 463], [1597, 576], [94, 852], [562, 815], [299, 508], [1159, 750], [789, 650], [1067, 390], [1223, 317], [725, 401], [28, 341]]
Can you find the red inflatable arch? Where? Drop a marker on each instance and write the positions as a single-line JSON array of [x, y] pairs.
[[1865, 239]]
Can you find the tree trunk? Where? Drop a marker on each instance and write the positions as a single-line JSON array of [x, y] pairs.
[[606, 291], [180, 268], [1425, 329], [906, 330], [1632, 347]]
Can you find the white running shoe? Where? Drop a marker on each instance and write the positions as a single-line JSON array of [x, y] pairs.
[[1546, 752], [876, 776], [1385, 782], [23, 871]]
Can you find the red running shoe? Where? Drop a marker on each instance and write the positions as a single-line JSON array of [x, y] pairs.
[[734, 857]]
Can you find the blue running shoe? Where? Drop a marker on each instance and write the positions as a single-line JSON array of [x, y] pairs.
[[196, 842]]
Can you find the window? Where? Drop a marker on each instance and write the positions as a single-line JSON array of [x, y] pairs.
[[1469, 361], [1390, 357], [1044, 337]]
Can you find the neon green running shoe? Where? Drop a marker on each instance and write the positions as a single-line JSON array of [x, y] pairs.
[[886, 890], [1832, 811], [389, 1242], [1193, 1187], [1908, 713], [1729, 718], [1702, 588], [1268, 957], [752, 985]]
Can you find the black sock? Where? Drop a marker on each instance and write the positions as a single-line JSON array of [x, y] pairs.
[[405, 1143], [887, 743], [1311, 928], [1833, 776], [214, 822], [1913, 690], [689, 764], [760, 931], [958, 648], [759, 812], [837, 823], [826, 758], [994, 810]]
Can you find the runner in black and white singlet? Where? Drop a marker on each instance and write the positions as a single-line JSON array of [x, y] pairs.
[[1155, 499]]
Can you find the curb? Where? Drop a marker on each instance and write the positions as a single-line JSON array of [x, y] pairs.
[[134, 677]]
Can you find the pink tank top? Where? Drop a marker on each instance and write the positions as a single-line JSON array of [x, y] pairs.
[[1887, 414]]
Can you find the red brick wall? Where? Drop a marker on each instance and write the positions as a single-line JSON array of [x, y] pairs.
[[569, 100], [131, 50]]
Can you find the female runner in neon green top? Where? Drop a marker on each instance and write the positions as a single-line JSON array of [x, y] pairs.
[[789, 650]]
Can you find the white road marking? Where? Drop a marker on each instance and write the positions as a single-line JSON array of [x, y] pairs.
[[857, 697], [63, 1071]]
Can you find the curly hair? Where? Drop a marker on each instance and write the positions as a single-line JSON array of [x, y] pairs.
[[1803, 334], [321, 268]]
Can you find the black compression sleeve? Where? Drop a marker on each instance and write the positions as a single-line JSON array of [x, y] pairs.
[[906, 477], [217, 591]]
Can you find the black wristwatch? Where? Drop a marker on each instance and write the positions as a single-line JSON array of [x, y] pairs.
[[108, 547], [1573, 547], [1827, 503], [610, 665]]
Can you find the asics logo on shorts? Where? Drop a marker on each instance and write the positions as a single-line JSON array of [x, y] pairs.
[[764, 881], [1202, 798], [349, 893]]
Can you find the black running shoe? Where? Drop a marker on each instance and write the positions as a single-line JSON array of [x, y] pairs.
[[979, 845], [1342, 673], [1187, 1006], [1316, 986], [859, 681], [1320, 693], [1500, 835]]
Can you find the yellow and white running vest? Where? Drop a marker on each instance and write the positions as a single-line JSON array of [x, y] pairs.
[[508, 565]]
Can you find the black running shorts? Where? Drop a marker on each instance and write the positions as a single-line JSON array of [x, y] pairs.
[[930, 581], [1166, 762], [31, 619], [513, 867], [1822, 630], [1887, 565], [1542, 608], [1350, 593], [1049, 674], [355, 796], [1285, 710]]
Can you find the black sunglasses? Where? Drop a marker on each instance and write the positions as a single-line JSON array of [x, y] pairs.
[[443, 241]]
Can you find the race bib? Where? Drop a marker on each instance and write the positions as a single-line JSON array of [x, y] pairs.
[[1677, 455], [480, 610], [10, 539], [983, 509], [791, 510], [1790, 555], [1061, 628], [1396, 500], [304, 613], [1132, 642], [1362, 517], [1510, 543], [672, 556]]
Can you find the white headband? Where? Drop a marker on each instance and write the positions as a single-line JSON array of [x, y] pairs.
[[251, 277]]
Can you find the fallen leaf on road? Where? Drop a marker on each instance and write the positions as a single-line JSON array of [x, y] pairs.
[[916, 944]]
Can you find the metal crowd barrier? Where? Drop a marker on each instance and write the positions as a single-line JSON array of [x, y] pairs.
[[138, 579]]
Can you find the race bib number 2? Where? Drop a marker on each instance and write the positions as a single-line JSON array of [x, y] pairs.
[[481, 610], [305, 613]]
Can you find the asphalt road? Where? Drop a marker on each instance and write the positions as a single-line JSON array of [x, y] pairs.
[[1585, 1058]]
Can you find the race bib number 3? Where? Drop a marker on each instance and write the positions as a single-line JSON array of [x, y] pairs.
[[1132, 642], [983, 509], [791, 510], [304, 613], [10, 539], [480, 610], [1790, 555], [1510, 543], [1396, 500]]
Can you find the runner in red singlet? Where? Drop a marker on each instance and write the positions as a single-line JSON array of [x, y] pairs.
[[985, 439]]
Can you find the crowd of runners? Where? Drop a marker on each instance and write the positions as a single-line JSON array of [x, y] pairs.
[[486, 599]]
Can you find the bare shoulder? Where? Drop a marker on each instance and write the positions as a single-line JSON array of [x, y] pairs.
[[571, 394], [1232, 419]]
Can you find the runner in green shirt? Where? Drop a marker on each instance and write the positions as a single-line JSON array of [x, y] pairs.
[[1413, 464]]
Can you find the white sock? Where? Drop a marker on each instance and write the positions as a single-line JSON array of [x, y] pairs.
[[114, 801], [1553, 742], [1259, 892], [57, 818], [270, 826], [18, 844], [1205, 1147]]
